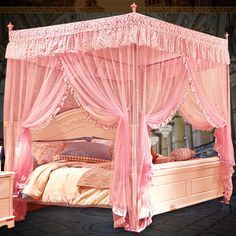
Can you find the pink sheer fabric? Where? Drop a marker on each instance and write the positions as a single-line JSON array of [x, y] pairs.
[[30, 82], [196, 117], [209, 111], [131, 72], [126, 85]]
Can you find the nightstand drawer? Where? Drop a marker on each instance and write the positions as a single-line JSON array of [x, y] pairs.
[[4, 208], [4, 187]]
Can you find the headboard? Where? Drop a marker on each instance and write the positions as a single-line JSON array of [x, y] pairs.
[[72, 124]]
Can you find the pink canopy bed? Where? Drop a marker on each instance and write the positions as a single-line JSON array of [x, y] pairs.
[[128, 73]]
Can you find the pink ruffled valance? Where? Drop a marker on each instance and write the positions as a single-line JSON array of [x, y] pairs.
[[116, 31]]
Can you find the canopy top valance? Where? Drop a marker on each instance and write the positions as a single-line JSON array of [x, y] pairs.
[[115, 31]]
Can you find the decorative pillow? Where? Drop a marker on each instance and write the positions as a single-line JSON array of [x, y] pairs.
[[85, 149], [79, 158], [107, 142], [162, 159], [182, 154], [44, 152], [154, 154], [158, 158]]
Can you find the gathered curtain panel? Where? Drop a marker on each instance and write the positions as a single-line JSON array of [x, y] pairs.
[[37, 91], [125, 85], [131, 78], [210, 111]]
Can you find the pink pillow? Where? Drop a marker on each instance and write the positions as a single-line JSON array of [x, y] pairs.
[[44, 152], [162, 159], [108, 142], [182, 154], [87, 149]]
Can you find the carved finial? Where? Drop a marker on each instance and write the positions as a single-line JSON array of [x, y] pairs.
[[133, 6], [226, 35], [10, 26]]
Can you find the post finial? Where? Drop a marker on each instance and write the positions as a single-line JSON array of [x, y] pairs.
[[226, 35], [133, 6], [10, 26]]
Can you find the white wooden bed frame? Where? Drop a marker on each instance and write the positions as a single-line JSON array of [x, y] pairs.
[[181, 184], [175, 184]]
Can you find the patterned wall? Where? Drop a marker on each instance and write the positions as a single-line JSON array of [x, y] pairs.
[[232, 45], [211, 23]]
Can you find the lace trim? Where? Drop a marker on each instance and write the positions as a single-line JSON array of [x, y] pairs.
[[226, 166], [99, 123], [52, 117], [169, 118], [90, 118], [58, 108], [226, 178], [197, 99], [227, 169], [194, 126], [19, 185], [116, 31], [217, 146]]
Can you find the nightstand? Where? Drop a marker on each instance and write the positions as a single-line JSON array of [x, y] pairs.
[[6, 200]]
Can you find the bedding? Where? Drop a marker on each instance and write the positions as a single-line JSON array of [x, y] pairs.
[[109, 143], [79, 158], [88, 149], [72, 183], [62, 183], [180, 154], [43, 152]]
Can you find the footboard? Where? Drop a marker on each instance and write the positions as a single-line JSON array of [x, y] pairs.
[[180, 184]]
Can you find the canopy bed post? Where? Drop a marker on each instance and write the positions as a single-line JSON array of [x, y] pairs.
[[9, 130], [133, 7], [10, 27], [134, 125], [134, 122]]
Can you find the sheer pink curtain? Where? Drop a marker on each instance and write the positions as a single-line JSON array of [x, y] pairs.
[[210, 106], [196, 117], [34, 92], [128, 87], [120, 82], [132, 86]]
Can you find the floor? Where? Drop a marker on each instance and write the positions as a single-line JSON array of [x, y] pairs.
[[210, 218]]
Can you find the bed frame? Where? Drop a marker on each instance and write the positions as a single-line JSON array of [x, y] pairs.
[[181, 184], [175, 184]]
